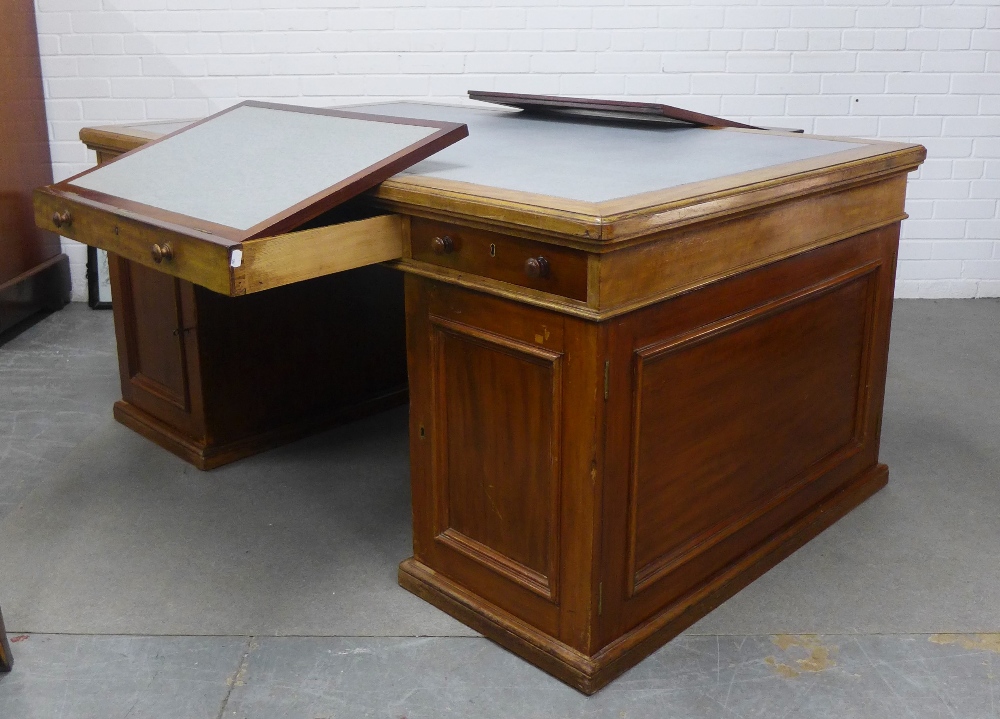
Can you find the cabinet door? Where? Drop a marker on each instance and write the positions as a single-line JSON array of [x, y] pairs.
[[155, 318]]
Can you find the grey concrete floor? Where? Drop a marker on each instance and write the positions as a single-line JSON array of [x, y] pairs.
[[269, 604]]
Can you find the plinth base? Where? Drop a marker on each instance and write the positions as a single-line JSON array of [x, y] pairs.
[[206, 456], [588, 674]]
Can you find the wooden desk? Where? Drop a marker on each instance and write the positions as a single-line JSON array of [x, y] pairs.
[[644, 364]]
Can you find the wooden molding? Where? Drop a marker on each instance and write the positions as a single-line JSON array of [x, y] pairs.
[[588, 674], [180, 399], [119, 139], [664, 265], [670, 263], [498, 562], [206, 457]]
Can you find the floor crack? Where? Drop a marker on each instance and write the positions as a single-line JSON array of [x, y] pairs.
[[236, 678]]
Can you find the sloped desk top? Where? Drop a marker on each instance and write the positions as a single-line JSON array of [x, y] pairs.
[[601, 181]]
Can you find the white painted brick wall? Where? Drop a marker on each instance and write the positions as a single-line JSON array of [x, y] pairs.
[[925, 71]]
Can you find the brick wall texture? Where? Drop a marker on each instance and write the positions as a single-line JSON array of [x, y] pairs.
[[923, 71]]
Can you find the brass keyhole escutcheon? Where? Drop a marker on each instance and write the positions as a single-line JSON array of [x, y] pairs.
[[442, 245], [60, 219], [493, 250], [162, 252]]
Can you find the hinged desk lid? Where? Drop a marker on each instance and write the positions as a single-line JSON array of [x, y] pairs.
[[615, 109], [259, 169]]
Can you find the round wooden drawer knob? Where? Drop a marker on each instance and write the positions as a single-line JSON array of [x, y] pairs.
[[536, 267], [59, 219], [162, 252], [442, 245]]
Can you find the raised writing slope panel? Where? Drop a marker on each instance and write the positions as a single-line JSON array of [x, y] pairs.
[[605, 109], [207, 202]]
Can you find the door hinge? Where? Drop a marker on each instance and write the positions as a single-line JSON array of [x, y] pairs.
[[600, 598], [607, 377]]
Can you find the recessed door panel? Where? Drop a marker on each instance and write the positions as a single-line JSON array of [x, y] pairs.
[[157, 354], [498, 403], [739, 409], [157, 336], [728, 418]]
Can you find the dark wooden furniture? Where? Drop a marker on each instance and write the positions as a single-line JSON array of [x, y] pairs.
[[34, 274], [217, 374], [645, 365], [215, 378], [6, 658]]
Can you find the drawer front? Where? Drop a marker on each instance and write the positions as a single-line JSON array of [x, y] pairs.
[[225, 267], [160, 249], [540, 266]]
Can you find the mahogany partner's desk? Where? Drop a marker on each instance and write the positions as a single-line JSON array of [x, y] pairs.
[[645, 364]]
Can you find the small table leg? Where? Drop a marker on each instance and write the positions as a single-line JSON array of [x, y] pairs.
[[6, 658]]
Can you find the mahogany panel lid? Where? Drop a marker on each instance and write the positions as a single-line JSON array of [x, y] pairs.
[[259, 169], [609, 109]]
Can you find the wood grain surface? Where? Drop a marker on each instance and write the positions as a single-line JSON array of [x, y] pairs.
[[288, 201], [6, 658], [601, 456], [700, 439], [214, 378], [501, 257], [34, 274], [296, 256]]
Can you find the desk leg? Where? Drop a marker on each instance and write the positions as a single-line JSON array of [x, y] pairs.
[[583, 491], [6, 658]]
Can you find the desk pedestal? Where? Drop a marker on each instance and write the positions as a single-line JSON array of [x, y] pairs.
[[583, 491], [214, 378]]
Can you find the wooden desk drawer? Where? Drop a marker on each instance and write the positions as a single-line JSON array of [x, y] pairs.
[[230, 268], [554, 269]]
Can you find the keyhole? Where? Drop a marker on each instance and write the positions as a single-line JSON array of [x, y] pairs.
[[493, 250]]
